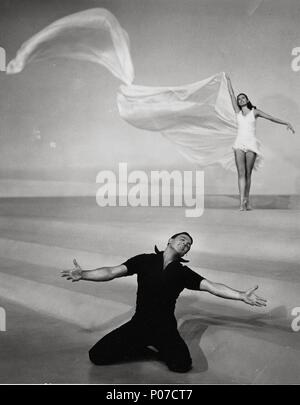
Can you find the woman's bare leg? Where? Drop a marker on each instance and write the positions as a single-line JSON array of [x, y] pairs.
[[250, 160], [240, 161]]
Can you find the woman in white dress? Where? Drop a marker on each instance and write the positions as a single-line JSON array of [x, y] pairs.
[[246, 146]]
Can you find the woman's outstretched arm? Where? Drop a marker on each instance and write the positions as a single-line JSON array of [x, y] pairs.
[[232, 95], [261, 114]]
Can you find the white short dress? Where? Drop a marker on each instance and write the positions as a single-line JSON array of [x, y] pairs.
[[246, 138]]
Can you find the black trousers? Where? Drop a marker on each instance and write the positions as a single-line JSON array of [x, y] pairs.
[[129, 341]]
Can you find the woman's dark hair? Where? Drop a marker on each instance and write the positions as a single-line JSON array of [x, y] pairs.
[[249, 104]]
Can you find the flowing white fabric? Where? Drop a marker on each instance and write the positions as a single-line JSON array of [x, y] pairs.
[[197, 117], [93, 35]]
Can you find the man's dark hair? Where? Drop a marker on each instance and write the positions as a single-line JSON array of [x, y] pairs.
[[182, 233]]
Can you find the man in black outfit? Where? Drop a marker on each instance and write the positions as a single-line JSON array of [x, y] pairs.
[[161, 278]]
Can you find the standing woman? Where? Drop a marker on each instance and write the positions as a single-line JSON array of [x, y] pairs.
[[246, 147]]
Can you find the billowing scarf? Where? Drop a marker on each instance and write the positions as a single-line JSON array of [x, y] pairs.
[[198, 118]]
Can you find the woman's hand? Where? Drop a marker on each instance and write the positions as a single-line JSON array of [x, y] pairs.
[[290, 128], [74, 274]]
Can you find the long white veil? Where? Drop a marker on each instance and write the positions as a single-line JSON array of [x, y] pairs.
[[198, 118]]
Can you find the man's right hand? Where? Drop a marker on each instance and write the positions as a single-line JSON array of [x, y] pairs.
[[74, 274]]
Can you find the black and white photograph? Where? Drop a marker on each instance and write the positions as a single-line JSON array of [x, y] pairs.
[[149, 194]]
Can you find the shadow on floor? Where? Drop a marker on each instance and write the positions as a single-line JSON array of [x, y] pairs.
[[273, 326]]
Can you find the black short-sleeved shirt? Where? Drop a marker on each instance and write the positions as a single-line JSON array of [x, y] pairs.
[[158, 288]]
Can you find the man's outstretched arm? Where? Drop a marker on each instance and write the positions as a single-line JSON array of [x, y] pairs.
[[223, 291], [100, 274]]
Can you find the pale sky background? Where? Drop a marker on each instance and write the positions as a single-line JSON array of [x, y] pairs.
[[59, 119]]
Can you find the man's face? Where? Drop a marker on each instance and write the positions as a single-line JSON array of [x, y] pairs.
[[181, 244]]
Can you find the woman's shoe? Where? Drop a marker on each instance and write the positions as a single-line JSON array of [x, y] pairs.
[[247, 205], [243, 206]]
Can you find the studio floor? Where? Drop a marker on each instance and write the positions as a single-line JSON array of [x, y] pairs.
[[51, 323]]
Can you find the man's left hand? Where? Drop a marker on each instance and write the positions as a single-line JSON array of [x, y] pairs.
[[250, 298]]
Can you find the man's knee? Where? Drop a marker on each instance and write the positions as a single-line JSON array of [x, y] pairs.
[[93, 357], [98, 357], [180, 366], [180, 363]]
